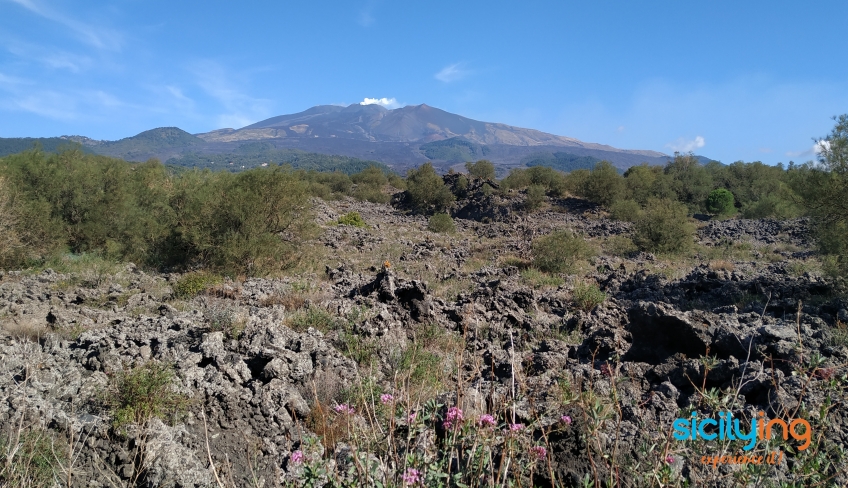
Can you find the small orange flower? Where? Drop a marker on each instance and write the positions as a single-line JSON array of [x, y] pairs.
[[387, 264]]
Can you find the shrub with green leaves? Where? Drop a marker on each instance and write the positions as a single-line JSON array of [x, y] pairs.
[[560, 252], [626, 210], [720, 202], [427, 190], [603, 185], [664, 227], [481, 169], [146, 392], [441, 223], [353, 219], [535, 197], [192, 284], [587, 296]]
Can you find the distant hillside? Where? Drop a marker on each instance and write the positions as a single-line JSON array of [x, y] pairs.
[[255, 154], [560, 161], [14, 145], [150, 144], [454, 150]]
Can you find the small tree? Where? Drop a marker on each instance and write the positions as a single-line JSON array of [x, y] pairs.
[[481, 169], [721, 202], [603, 185], [560, 252], [535, 197], [441, 223], [829, 200], [664, 227], [427, 189]]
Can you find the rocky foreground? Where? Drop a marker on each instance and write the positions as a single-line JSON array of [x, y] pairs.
[[346, 375]]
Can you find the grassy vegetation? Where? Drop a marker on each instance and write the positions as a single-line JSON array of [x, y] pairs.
[[145, 392]]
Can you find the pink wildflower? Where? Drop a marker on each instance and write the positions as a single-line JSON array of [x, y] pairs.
[[566, 419], [412, 477], [669, 459], [487, 420], [539, 451], [297, 457], [447, 424], [386, 398], [344, 408], [411, 417], [454, 414], [516, 427]]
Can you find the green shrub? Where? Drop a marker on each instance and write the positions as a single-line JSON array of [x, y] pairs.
[[621, 246], [441, 223], [626, 210], [481, 169], [538, 279], [315, 317], [559, 252], [535, 197], [352, 218], [603, 185], [427, 190], [145, 392], [30, 458], [721, 202], [192, 284], [664, 227], [587, 296]]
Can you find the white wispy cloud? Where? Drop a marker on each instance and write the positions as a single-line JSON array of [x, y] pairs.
[[240, 109], [812, 151], [686, 145], [56, 59], [452, 72], [99, 37], [385, 102]]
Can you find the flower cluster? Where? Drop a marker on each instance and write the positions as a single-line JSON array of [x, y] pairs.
[[344, 408], [412, 477], [566, 419], [539, 452], [386, 398], [454, 417], [487, 420], [515, 427], [297, 457]]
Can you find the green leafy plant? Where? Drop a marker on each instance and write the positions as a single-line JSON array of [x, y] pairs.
[[587, 296], [145, 392], [560, 252], [441, 223], [352, 219], [664, 227], [721, 202], [192, 284]]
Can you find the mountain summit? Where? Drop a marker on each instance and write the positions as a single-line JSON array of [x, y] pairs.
[[413, 123]]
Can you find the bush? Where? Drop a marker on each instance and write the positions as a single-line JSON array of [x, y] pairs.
[[427, 190], [535, 197], [664, 227], [587, 296], [192, 284], [481, 169], [559, 252], [720, 202], [626, 210], [10, 244], [352, 218], [621, 246], [603, 185], [146, 392], [441, 223]]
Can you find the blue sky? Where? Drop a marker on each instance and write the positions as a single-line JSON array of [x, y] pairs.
[[733, 80]]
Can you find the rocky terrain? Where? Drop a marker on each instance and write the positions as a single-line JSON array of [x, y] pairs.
[[344, 372]]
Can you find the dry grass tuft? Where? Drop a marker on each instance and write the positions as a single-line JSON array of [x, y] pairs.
[[25, 329], [722, 264]]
